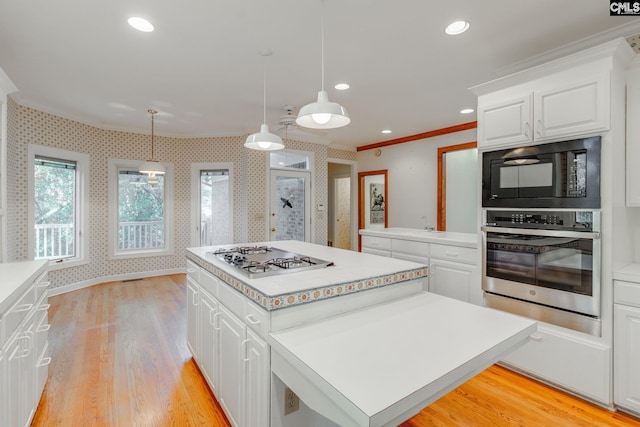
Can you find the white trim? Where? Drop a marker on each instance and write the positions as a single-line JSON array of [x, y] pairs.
[[114, 278], [195, 197], [112, 239], [82, 200]]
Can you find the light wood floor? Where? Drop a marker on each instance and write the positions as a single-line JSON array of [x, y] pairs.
[[120, 359]]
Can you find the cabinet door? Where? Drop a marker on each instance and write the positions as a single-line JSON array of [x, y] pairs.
[[627, 357], [208, 359], [575, 108], [230, 379], [505, 123], [192, 317], [451, 279], [257, 384], [20, 380]]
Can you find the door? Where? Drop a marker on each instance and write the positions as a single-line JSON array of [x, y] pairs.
[[342, 212], [290, 205], [215, 219], [208, 339]]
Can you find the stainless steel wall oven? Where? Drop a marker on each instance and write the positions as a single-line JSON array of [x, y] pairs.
[[544, 265]]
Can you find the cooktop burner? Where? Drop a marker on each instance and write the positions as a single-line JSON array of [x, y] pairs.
[[262, 261]]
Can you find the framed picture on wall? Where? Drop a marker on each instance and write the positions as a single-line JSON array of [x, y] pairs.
[[372, 199], [376, 203]]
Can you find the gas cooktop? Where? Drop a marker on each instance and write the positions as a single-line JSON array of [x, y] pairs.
[[262, 261]]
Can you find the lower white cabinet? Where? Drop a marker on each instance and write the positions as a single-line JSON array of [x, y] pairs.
[[226, 342], [627, 345], [569, 360], [452, 279], [23, 344]]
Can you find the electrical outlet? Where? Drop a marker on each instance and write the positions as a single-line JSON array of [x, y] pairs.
[[291, 401]]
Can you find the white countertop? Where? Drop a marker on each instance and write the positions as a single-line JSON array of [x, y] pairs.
[[381, 365], [453, 238], [629, 273], [352, 272], [14, 276]]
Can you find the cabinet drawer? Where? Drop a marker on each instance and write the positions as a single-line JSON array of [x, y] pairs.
[[17, 313], [627, 293], [41, 285], [413, 258], [455, 253], [376, 252], [193, 271], [231, 299], [209, 282], [256, 318], [410, 247], [379, 243]]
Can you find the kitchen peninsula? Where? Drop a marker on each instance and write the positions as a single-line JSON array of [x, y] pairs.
[[359, 341]]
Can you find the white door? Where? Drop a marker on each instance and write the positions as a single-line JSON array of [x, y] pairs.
[[342, 212], [290, 205]]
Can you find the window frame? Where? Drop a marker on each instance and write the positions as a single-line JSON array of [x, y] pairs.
[[81, 234], [113, 207]]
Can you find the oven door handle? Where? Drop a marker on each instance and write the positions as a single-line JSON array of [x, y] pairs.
[[594, 235]]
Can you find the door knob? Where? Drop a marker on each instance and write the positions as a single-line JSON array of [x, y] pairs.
[[273, 230]]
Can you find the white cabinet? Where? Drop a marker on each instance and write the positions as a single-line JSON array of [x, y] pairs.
[[376, 245], [23, 347], [633, 135], [573, 361], [560, 107], [453, 272], [627, 345], [226, 334]]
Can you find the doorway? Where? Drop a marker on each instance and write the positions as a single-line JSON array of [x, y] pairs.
[[290, 205], [212, 204], [457, 176], [342, 206]]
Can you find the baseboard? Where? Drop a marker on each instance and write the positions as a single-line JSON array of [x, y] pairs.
[[115, 278]]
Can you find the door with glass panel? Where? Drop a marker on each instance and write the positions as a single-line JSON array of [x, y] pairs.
[[290, 205], [215, 206]]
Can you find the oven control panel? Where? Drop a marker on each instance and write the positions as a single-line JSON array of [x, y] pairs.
[[550, 220]]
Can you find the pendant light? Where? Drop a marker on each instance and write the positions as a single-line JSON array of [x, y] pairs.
[[323, 114], [152, 167], [264, 140]]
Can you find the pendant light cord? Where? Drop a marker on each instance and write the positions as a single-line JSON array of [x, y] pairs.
[[153, 158], [322, 45], [264, 91]]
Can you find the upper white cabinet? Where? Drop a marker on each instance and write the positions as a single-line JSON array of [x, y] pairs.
[[633, 134], [560, 107], [559, 100]]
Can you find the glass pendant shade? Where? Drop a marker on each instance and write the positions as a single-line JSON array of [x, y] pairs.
[[264, 140], [152, 167], [323, 114]]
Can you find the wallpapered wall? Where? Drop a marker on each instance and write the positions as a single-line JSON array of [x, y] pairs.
[[29, 126]]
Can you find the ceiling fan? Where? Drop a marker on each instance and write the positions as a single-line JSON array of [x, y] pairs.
[[287, 123]]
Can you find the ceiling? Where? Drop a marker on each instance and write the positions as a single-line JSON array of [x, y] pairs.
[[202, 70]]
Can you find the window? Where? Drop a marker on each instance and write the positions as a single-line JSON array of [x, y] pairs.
[[58, 196], [212, 203], [140, 211]]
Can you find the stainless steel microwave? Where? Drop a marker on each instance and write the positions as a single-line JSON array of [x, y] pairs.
[[562, 174]]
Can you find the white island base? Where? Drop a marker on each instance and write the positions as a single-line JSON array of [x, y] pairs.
[[381, 365]]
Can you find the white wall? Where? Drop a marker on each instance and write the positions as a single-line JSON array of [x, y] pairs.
[[412, 177]]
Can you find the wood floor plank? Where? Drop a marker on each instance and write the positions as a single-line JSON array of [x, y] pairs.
[[119, 358]]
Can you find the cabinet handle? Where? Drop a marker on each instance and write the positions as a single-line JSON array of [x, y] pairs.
[[43, 284], [190, 270], [44, 307], [536, 337], [527, 130], [451, 254], [23, 307], [252, 319], [540, 130], [212, 319], [195, 301], [245, 345], [44, 328], [216, 316], [44, 362]]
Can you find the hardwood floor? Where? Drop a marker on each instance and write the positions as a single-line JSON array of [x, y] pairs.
[[119, 358]]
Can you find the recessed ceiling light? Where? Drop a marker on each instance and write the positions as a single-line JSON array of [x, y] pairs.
[[386, 131], [342, 86], [457, 27], [467, 111], [140, 24]]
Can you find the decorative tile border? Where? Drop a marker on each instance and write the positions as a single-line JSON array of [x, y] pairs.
[[310, 295]]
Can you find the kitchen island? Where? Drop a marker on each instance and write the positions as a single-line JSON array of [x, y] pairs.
[[360, 341]]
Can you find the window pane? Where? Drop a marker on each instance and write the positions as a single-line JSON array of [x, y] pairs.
[[140, 211], [214, 207], [54, 208], [283, 159]]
